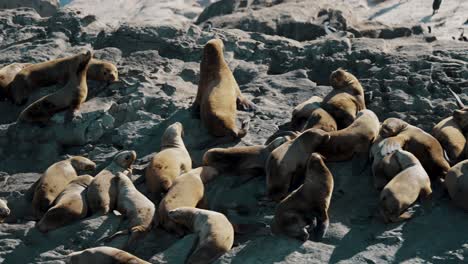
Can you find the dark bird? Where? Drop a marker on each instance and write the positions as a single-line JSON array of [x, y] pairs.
[[436, 6]]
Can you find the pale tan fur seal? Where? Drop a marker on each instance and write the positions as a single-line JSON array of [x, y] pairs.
[[103, 71], [104, 255], [456, 182], [7, 74]]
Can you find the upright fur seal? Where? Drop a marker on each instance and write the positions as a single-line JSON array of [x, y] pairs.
[[68, 207], [188, 190], [311, 200], [309, 114], [71, 96], [7, 75], [46, 74], [456, 182], [102, 192], [215, 234], [405, 188], [172, 161], [346, 99], [413, 139], [104, 255], [286, 164], [218, 95], [55, 179]]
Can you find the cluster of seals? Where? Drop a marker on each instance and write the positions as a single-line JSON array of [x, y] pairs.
[[71, 96], [310, 114], [172, 161], [68, 207], [218, 95], [55, 179], [103, 255], [187, 191], [215, 234], [456, 183], [311, 200], [346, 99], [405, 188], [102, 192], [4, 210], [7, 75], [425, 147]]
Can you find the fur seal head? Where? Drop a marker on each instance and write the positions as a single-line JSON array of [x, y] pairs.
[[125, 159], [213, 54], [392, 127], [172, 135], [341, 79], [82, 163]]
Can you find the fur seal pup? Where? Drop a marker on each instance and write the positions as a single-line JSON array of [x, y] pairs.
[[7, 75], [215, 234], [172, 161], [71, 96], [104, 255], [354, 139], [44, 74], [456, 183], [404, 189], [68, 207], [309, 114], [4, 210], [188, 190], [311, 200], [103, 71], [286, 164], [413, 139], [55, 179], [346, 99], [218, 95], [450, 132], [135, 207], [102, 192]]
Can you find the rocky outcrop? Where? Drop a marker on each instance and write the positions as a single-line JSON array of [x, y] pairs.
[[44, 8]]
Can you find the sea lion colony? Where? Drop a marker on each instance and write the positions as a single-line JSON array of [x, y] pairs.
[[406, 161]]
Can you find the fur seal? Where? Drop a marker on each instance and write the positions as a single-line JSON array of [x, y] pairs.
[[44, 74], [405, 188], [218, 95], [450, 132], [413, 139], [104, 255], [384, 167], [7, 75], [103, 71], [55, 179], [4, 210], [456, 182], [346, 99], [187, 191], [135, 207], [102, 192], [357, 138], [286, 164], [68, 207], [215, 234], [309, 114], [172, 161], [311, 200], [71, 96]]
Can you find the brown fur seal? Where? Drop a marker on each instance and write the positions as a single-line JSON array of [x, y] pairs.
[[384, 167], [218, 94], [450, 132], [46, 74], [7, 74], [309, 114], [102, 192], [134, 206], [104, 255], [55, 179], [413, 139], [312, 200], [244, 159], [286, 164], [172, 161], [69, 206], [71, 96], [346, 99], [4, 210], [187, 191], [405, 188], [354, 139], [456, 182], [215, 234], [103, 71]]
